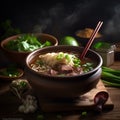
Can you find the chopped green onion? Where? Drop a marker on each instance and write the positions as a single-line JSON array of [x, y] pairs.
[[40, 117], [110, 76]]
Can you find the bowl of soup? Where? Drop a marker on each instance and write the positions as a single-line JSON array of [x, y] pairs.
[[17, 47], [58, 72]]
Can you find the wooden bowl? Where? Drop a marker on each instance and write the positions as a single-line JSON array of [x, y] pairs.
[[19, 57], [63, 86], [10, 78], [84, 35]]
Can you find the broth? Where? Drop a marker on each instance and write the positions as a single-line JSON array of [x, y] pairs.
[[61, 64]]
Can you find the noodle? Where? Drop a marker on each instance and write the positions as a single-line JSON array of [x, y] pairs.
[[60, 63]]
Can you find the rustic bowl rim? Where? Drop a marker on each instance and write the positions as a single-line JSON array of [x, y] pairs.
[[10, 78], [22, 52], [44, 75]]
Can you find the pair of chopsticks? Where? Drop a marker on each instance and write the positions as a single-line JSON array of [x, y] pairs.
[[93, 35]]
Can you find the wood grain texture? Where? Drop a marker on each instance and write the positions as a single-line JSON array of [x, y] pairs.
[[9, 107], [84, 102]]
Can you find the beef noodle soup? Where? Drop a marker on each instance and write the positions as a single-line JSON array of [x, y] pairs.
[[61, 64]]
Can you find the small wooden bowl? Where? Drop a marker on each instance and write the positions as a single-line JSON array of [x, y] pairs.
[[8, 78], [83, 36]]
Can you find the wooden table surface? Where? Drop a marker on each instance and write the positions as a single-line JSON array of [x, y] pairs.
[[8, 111]]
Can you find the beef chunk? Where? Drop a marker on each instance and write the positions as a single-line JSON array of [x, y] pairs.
[[65, 69], [53, 72]]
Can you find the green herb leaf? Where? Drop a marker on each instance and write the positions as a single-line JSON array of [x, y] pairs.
[[26, 42]]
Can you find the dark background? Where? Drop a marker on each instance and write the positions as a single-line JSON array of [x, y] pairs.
[[63, 17]]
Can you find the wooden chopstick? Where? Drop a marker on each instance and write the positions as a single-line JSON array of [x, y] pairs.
[[92, 37]]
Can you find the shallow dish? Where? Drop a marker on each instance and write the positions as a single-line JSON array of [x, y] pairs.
[[18, 73]]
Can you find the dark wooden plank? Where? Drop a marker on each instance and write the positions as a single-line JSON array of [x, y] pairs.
[[84, 102], [9, 111]]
